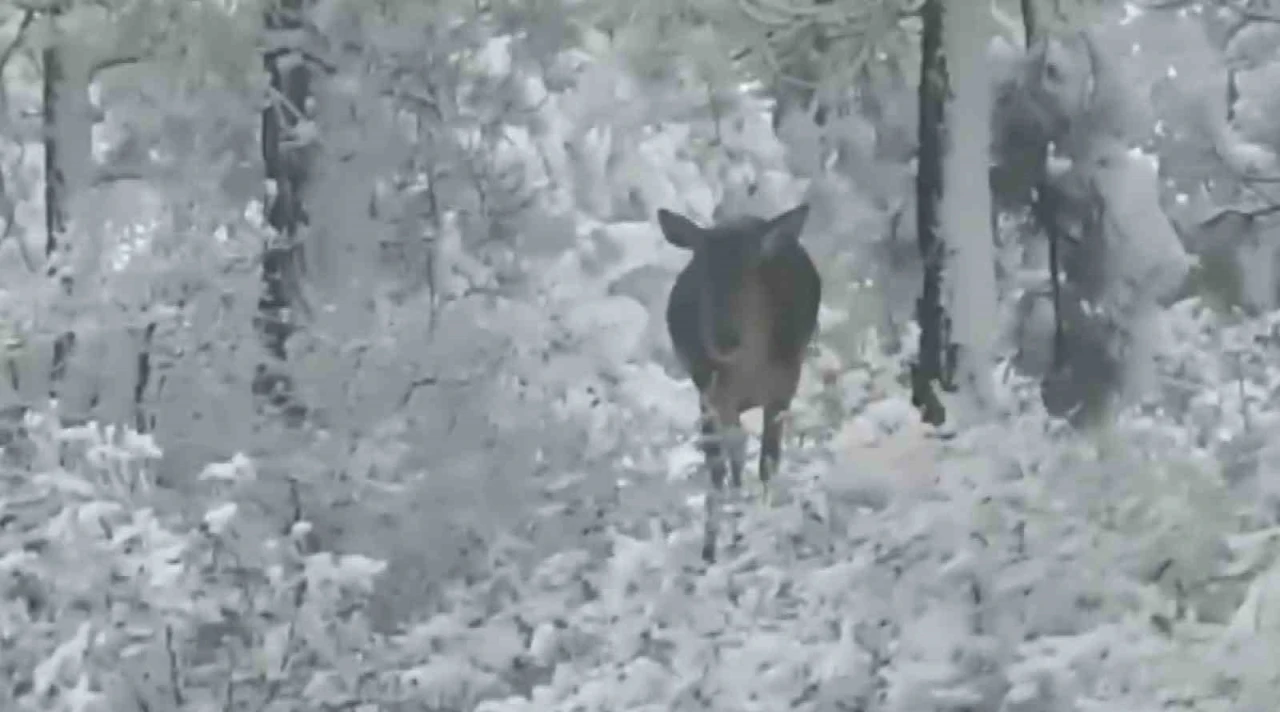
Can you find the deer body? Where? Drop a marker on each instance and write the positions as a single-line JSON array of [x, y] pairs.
[[741, 316]]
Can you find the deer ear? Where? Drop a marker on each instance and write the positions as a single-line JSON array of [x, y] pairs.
[[679, 230], [784, 230]]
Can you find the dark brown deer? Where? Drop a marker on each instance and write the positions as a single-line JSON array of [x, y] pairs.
[[741, 316]]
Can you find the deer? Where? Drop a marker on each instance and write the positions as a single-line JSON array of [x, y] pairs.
[[741, 315]]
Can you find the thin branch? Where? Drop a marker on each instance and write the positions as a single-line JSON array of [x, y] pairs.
[[7, 213], [414, 386], [1167, 4], [1246, 213], [105, 175], [1259, 180], [316, 60], [113, 63], [27, 18]]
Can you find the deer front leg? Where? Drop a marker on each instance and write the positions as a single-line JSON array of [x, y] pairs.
[[713, 451]]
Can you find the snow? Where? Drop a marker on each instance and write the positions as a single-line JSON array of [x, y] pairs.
[[495, 501]]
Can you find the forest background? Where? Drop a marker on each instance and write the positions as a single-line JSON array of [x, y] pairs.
[[335, 375]]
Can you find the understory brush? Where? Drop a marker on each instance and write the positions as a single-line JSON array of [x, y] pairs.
[[1022, 567]]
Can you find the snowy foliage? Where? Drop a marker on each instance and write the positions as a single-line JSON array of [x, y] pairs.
[[493, 504]]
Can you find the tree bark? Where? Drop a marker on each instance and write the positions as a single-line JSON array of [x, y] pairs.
[[1044, 208], [286, 160], [55, 184], [932, 369]]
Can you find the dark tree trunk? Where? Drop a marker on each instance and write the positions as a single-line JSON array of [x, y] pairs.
[[1044, 207], [934, 363], [142, 421], [55, 188], [287, 167]]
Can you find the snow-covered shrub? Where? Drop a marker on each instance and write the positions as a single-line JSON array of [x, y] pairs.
[[116, 599]]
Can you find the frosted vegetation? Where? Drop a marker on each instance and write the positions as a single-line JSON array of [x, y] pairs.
[[493, 502]]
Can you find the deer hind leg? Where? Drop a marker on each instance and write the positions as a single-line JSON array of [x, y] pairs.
[[771, 446], [734, 438], [724, 442], [713, 446]]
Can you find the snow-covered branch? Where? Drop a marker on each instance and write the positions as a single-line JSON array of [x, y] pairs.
[[28, 17]]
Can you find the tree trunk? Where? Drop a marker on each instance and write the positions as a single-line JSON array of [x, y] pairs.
[[286, 160], [55, 184], [143, 421], [1044, 208], [966, 203], [932, 369]]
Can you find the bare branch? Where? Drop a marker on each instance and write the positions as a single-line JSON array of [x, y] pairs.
[[1166, 4], [106, 175], [34, 6], [113, 63], [1247, 213], [27, 18], [413, 387], [8, 210]]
